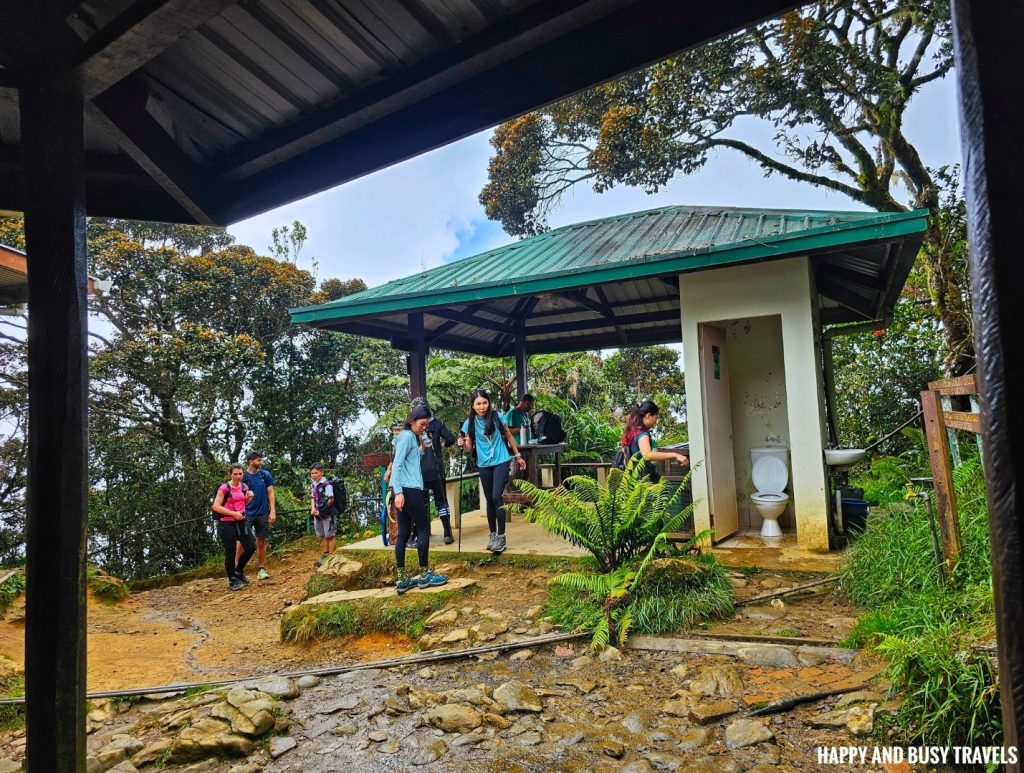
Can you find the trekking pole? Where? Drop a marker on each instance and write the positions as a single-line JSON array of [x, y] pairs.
[[462, 475]]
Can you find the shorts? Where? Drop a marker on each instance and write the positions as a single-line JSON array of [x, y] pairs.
[[325, 527], [259, 524]]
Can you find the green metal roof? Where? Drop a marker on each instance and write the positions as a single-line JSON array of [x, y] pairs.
[[865, 257]]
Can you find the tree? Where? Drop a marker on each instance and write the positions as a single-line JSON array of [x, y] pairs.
[[649, 372], [833, 79]]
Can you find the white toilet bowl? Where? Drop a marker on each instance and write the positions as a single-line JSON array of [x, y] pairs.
[[770, 474]]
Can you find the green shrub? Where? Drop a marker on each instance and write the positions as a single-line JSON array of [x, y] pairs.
[[11, 588], [925, 627]]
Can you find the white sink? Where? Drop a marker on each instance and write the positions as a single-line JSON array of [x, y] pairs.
[[843, 457]]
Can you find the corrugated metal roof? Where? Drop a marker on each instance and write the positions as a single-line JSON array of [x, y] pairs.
[[662, 241]]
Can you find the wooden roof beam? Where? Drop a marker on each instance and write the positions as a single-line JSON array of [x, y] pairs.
[[122, 112]]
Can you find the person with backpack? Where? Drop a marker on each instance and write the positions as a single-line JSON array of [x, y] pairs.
[[232, 528], [638, 440], [323, 510], [261, 512], [518, 416], [486, 432], [434, 440], [410, 504]]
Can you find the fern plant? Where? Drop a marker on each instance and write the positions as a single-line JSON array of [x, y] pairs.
[[616, 520]]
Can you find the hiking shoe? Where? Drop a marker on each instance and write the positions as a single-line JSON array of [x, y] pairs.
[[431, 579], [448, 538], [490, 540], [499, 544], [262, 574], [320, 561], [236, 584], [241, 578], [405, 583]]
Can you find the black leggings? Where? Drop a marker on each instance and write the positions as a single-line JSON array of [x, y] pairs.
[[438, 488], [493, 480], [230, 534], [413, 513]]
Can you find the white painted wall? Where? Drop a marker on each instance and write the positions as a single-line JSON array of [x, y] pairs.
[[780, 288]]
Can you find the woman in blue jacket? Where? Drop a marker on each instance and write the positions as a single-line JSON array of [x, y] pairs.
[[410, 503]]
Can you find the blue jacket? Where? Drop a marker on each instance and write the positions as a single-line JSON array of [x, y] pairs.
[[405, 469]]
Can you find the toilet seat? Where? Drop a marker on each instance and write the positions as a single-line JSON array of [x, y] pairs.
[[769, 497]]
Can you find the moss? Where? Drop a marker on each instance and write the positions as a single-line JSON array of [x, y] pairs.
[[105, 586], [405, 615]]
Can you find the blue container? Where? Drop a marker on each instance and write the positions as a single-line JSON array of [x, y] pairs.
[[855, 515]]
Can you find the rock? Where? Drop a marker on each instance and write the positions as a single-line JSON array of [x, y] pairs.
[[746, 732], [453, 637], [534, 612], [279, 687], [254, 717], [125, 766], [442, 617], [92, 765], [583, 661], [762, 613], [346, 570], [720, 681], [426, 673], [516, 696], [419, 699], [474, 696], [308, 681], [238, 695], [614, 749], [572, 739], [453, 717], [860, 696], [520, 656], [490, 629], [496, 720], [663, 761], [492, 614], [108, 758], [717, 764], [841, 622], [130, 744], [177, 720], [429, 753], [583, 685], [771, 583], [429, 641], [639, 766], [778, 604], [246, 767], [769, 655], [531, 738], [544, 627], [151, 753], [377, 736], [345, 728], [609, 654], [738, 584], [677, 708], [393, 707], [828, 719], [680, 671], [808, 658], [695, 737], [638, 721], [280, 745], [703, 713], [861, 720], [344, 703], [209, 737]]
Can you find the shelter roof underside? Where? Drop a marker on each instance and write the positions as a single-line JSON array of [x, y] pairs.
[[615, 282]]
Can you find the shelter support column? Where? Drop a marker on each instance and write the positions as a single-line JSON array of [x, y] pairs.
[[417, 357], [990, 70], [522, 384], [55, 230]]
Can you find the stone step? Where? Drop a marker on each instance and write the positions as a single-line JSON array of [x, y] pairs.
[[343, 596]]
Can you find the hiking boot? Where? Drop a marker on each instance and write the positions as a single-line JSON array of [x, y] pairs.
[[262, 574], [405, 583], [431, 579], [236, 584], [448, 538], [320, 561], [490, 540], [499, 544], [241, 578]]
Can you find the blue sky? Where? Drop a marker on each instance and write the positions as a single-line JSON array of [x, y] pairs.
[[423, 212]]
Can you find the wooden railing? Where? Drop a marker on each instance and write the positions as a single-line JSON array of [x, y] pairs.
[[940, 423]]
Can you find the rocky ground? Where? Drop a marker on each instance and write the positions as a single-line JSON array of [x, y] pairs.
[[546, 707]]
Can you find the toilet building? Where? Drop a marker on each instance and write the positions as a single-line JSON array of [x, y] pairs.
[[754, 296]]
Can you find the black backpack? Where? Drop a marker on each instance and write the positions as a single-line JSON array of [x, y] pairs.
[[216, 492], [340, 496], [549, 426]]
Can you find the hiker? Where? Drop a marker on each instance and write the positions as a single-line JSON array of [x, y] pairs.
[[410, 503], [396, 430], [232, 527], [322, 510], [434, 440], [261, 512], [486, 432], [637, 439], [518, 416]]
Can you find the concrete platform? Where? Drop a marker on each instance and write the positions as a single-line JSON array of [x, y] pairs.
[[749, 549], [523, 538]]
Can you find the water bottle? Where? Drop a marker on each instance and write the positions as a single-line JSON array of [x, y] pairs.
[[522, 435]]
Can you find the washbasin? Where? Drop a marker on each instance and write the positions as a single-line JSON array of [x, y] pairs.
[[843, 457]]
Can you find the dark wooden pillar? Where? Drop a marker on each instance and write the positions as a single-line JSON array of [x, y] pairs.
[[990, 70], [522, 383], [417, 356], [55, 619]]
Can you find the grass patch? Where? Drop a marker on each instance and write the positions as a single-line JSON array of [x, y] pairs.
[[12, 715], [11, 588], [673, 594], [790, 632], [405, 615], [926, 628], [212, 567]]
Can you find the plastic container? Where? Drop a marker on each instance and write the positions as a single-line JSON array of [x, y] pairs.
[[855, 515]]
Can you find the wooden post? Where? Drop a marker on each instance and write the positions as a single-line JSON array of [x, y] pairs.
[[522, 385], [990, 75], [942, 477], [417, 357], [55, 617]]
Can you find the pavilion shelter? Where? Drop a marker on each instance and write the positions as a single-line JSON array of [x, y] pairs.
[[750, 293], [209, 111]]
